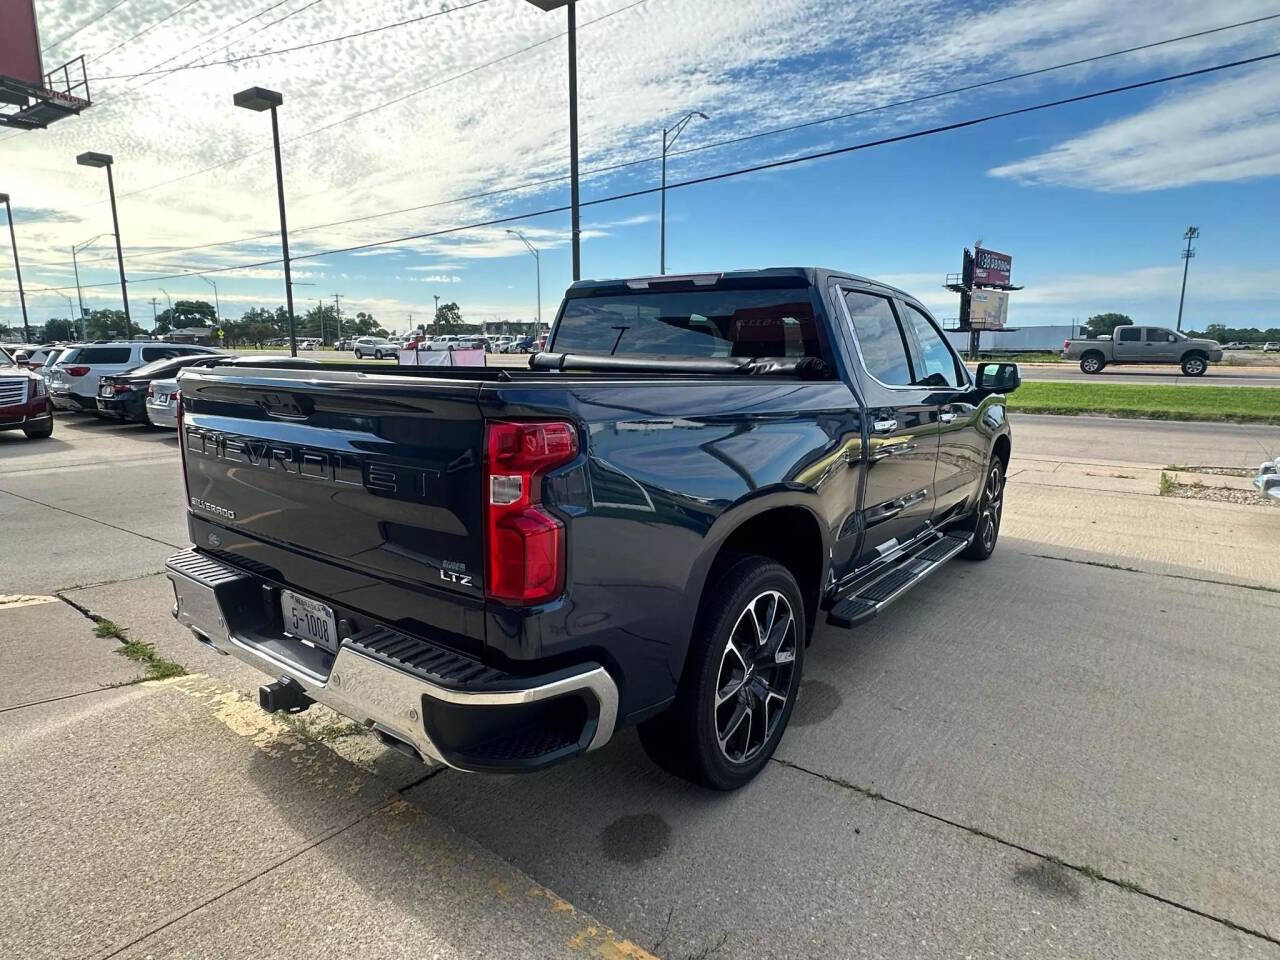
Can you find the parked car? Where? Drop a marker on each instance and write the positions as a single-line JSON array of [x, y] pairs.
[[73, 383], [127, 396], [1131, 345], [24, 400], [643, 528], [1268, 478], [376, 347], [46, 369], [524, 345], [35, 357], [163, 395], [1271, 346]]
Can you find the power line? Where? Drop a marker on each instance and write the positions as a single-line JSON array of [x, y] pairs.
[[315, 130], [88, 23], [609, 168], [151, 26], [728, 174], [294, 49]]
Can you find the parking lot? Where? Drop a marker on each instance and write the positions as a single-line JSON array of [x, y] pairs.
[[1066, 751]]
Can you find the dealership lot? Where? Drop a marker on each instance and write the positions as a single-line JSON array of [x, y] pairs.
[[1066, 751]]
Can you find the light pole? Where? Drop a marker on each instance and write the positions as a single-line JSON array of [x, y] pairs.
[[548, 6], [104, 160], [537, 259], [17, 268], [75, 266], [259, 99], [217, 304], [1187, 254], [668, 138], [171, 316]]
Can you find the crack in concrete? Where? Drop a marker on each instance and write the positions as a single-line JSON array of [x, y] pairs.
[[1083, 869], [1154, 573], [81, 516]]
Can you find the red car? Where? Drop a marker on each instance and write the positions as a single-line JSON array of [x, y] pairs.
[[24, 400]]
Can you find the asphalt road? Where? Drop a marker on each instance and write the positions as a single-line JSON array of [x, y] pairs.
[[1039, 756]]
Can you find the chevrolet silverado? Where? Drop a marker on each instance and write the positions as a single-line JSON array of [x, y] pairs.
[[497, 569]]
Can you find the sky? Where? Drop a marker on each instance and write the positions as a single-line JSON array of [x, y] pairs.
[[444, 123]]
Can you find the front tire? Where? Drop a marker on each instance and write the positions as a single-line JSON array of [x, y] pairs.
[[986, 521], [359, 355], [740, 679], [1092, 363], [1194, 366], [39, 433], [377, 354]]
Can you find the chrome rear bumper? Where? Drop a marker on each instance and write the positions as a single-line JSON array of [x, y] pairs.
[[209, 600]]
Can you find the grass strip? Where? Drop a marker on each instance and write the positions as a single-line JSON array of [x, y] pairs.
[[1215, 404]]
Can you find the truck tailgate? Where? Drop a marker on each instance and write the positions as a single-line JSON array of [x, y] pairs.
[[378, 474]]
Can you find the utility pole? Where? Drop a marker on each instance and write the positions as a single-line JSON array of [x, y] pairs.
[[154, 302], [1187, 254], [437, 297], [337, 312], [17, 269]]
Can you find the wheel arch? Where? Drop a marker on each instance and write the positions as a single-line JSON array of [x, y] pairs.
[[787, 530]]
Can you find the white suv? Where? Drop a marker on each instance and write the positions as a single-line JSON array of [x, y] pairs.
[[376, 347], [73, 384]]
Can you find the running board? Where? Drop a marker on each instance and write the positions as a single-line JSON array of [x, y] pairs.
[[873, 597]]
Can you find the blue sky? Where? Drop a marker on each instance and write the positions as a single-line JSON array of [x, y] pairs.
[[1090, 199]]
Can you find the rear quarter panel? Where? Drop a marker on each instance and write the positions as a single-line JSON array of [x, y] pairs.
[[668, 470]]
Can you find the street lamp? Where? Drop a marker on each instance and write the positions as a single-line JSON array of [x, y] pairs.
[[669, 138], [537, 259], [547, 6], [104, 160], [217, 304], [259, 99], [1187, 254], [17, 268]]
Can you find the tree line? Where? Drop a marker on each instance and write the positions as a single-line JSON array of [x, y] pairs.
[[1104, 325]]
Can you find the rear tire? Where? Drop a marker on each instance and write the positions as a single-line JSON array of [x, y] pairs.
[[1092, 363], [986, 519], [738, 690], [1194, 365], [359, 355]]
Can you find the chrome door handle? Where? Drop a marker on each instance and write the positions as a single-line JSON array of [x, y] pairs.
[[885, 426], [946, 417]]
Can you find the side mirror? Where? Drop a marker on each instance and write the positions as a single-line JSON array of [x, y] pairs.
[[998, 377]]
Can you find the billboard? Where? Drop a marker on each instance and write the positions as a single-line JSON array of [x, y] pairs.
[[988, 309], [20, 42], [991, 268]]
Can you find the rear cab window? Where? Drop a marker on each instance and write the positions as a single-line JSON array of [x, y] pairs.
[[667, 324]]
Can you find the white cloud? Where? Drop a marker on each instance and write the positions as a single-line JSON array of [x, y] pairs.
[[439, 278], [1226, 130]]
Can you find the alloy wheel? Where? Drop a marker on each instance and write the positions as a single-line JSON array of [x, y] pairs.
[[992, 504], [755, 676]]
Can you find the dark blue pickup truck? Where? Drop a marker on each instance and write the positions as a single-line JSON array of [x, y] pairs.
[[497, 569]]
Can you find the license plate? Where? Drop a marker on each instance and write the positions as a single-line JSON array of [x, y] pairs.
[[163, 398], [308, 620]]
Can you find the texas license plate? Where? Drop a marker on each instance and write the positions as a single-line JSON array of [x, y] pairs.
[[308, 620], [163, 398]]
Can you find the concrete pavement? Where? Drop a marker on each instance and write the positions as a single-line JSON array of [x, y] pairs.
[[1039, 756]]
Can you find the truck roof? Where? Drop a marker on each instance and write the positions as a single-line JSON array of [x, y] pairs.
[[769, 276]]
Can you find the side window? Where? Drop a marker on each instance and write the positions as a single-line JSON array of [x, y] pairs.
[[880, 338], [1157, 335], [938, 366], [156, 353], [1128, 334]]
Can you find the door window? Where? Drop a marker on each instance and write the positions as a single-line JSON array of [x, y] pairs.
[[938, 366], [881, 342], [1128, 334]]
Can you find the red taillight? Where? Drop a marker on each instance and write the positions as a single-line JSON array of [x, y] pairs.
[[524, 543], [76, 371], [1066, 344], [151, 390], [122, 387]]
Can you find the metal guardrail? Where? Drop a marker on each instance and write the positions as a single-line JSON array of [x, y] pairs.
[[1268, 479]]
